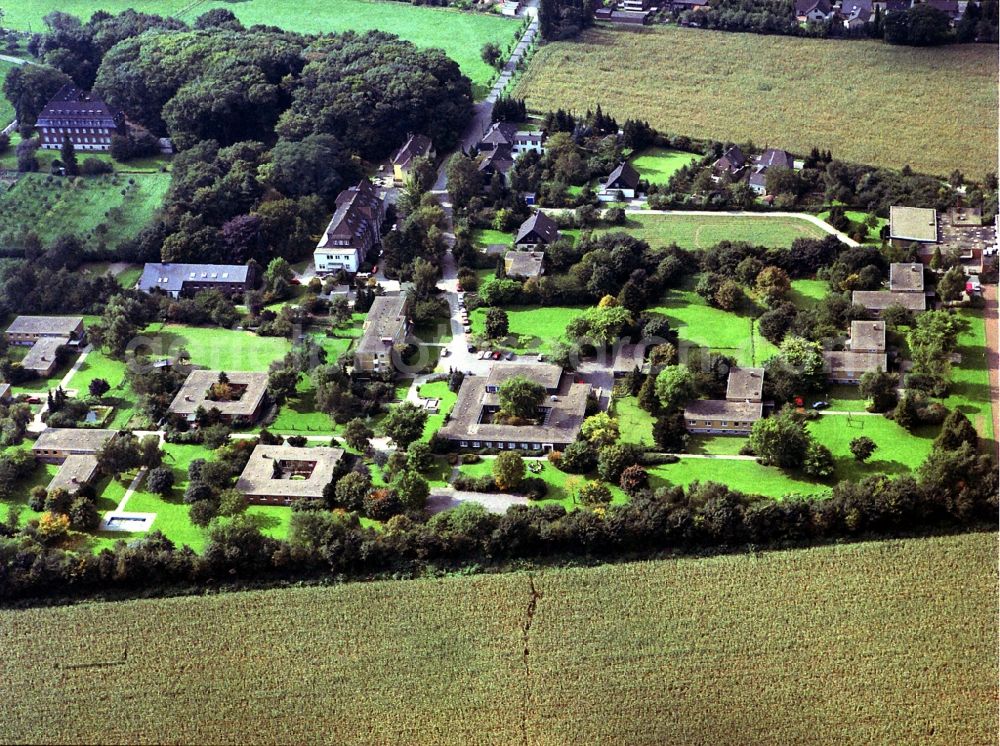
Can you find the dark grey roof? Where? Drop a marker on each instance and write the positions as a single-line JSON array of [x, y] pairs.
[[623, 177], [856, 9], [805, 6], [732, 160], [720, 408], [358, 212], [906, 277], [385, 320], [73, 106], [416, 146], [540, 224], [499, 133], [868, 335], [500, 159], [171, 277], [774, 157]]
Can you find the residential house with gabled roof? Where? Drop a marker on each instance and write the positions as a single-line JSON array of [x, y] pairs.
[[537, 231], [732, 162], [856, 13], [384, 329], [621, 184], [496, 163], [187, 279], [770, 158], [354, 230], [416, 146], [507, 134], [813, 11], [84, 118]]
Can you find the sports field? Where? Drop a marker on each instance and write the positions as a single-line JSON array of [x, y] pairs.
[[703, 231], [460, 34], [882, 642], [868, 102]]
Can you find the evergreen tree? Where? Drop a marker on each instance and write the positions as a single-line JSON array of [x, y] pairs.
[[68, 155]]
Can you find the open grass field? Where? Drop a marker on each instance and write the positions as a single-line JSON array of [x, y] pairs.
[[703, 231], [533, 329], [657, 165], [881, 642], [702, 325], [100, 210], [217, 349], [868, 102], [460, 35]]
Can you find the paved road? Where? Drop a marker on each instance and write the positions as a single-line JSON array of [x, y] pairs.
[[993, 354], [15, 60]]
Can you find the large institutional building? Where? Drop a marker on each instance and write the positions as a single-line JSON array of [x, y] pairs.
[[86, 120]]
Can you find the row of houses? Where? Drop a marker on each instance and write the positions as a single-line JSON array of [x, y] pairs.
[[854, 14]]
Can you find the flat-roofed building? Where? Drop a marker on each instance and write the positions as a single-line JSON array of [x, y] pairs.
[[471, 424], [75, 472], [385, 328], [523, 264], [867, 336], [26, 330], [280, 475], [186, 279], [912, 225], [906, 277], [55, 444], [246, 392], [876, 301], [745, 384], [43, 357]]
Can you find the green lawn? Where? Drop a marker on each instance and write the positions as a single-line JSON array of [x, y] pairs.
[[703, 231], [970, 390], [899, 451], [807, 294], [121, 396], [657, 165], [102, 210], [484, 237], [217, 349], [150, 165], [437, 390], [857, 216], [562, 486], [702, 325], [460, 34], [634, 423], [532, 330], [747, 476]]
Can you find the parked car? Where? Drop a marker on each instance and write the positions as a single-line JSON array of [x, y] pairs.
[[820, 405], [541, 357], [510, 355], [497, 356], [445, 352], [472, 348], [34, 400], [484, 354]]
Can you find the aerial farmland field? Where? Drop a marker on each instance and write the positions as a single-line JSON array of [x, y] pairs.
[[884, 642], [785, 92]]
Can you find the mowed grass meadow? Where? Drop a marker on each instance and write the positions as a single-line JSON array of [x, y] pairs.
[[460, 34], [881, 642], [868, 102], [706, 230]]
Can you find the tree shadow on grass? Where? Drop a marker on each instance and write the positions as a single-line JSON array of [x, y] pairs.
[[264, 522]]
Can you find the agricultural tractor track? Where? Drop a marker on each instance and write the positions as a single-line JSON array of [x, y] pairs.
[[529, 617]]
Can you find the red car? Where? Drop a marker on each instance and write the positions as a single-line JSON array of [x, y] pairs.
[[497, 355]]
